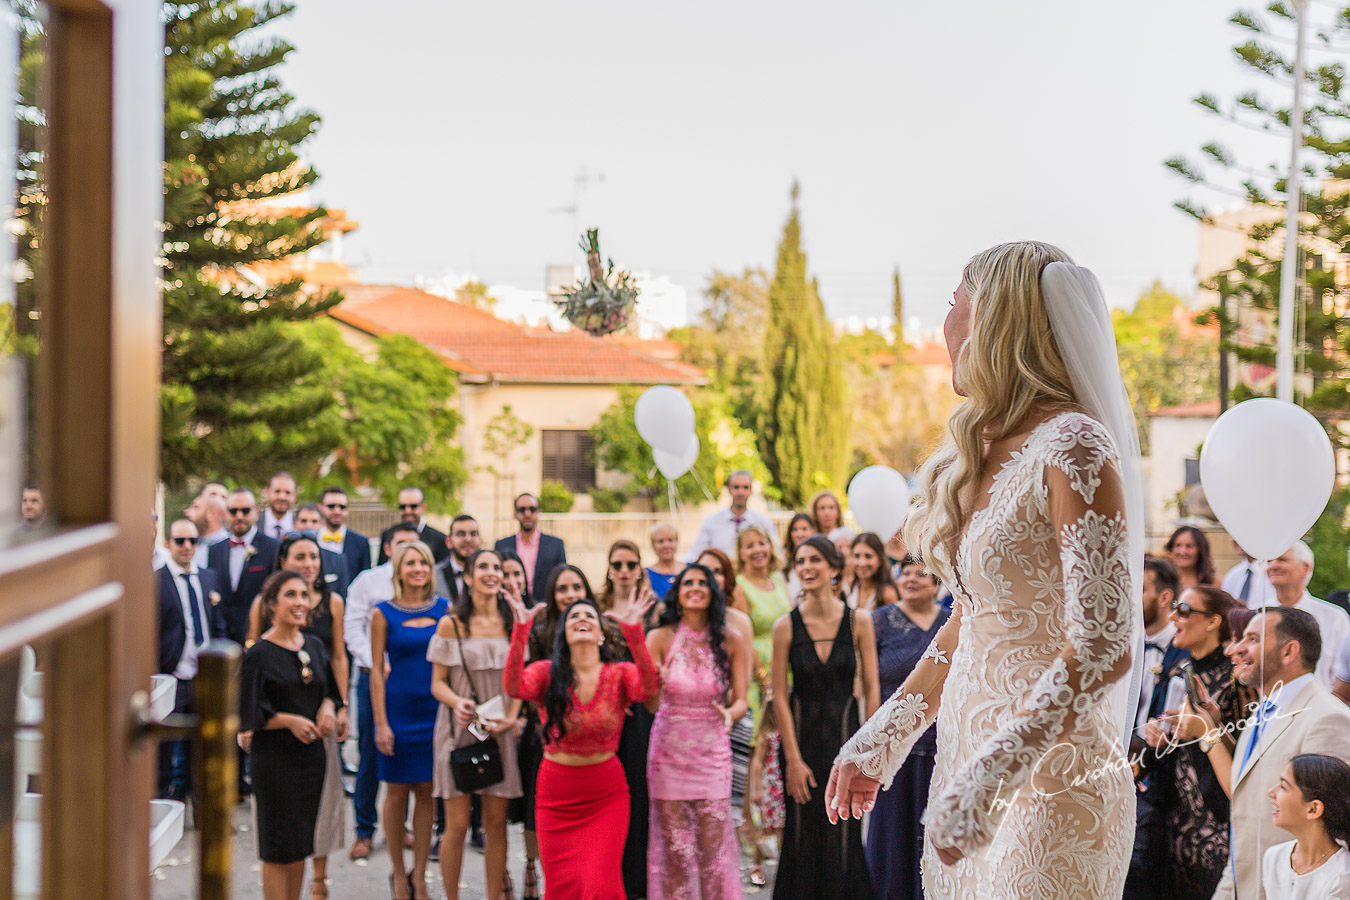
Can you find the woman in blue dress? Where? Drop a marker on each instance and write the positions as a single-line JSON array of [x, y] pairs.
[[904, 631], [405, 711]]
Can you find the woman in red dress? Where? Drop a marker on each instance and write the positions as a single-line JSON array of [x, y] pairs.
[[581, 800]]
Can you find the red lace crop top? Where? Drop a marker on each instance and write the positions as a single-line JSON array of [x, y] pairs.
[[591, 727]]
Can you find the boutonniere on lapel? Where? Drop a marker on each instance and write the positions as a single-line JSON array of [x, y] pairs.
[[250, 551], [306, 672], [1156, 670], [214, 597]]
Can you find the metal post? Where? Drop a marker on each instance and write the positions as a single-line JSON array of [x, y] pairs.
[[1284, 358], [216, 766]]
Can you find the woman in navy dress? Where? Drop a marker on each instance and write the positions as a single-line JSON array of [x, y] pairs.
[[904, 631], [405, 710]]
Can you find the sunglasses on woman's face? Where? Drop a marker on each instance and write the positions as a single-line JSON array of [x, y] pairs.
[[1184, 609], [620, 565]]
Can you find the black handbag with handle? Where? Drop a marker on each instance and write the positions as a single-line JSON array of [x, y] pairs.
[[477, 766]]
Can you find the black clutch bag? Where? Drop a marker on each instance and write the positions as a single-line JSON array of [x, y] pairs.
[[477, 766]]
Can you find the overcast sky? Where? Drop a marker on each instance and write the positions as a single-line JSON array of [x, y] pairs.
[[921, 133]]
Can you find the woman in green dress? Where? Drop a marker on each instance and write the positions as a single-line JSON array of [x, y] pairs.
[[762, 594]]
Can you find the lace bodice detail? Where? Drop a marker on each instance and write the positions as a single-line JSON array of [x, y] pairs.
[[591, 727], [1040, 631]]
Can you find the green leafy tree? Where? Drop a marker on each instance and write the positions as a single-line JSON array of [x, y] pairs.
[[803, 426], [1252, 283], [723, 447], [727, 341], [241, 393], [1165, 358], [399, 416], [1328, 539]]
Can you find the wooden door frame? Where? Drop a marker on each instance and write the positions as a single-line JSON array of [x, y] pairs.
[[87, 591]]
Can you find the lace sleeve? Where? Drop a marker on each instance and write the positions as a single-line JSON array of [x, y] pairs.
[[1084, 501], [879, 748], [524, 682]]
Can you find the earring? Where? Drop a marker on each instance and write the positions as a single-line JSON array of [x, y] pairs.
[[602, 641]]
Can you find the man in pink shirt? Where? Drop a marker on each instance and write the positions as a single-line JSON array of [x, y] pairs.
[[539, 553]]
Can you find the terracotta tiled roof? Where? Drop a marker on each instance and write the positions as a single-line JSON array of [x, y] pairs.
[[1209, 409], [482, 347], [930, 354]]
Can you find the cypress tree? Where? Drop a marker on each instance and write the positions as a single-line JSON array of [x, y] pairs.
[[898, 312], [803, 424], [238, 397]]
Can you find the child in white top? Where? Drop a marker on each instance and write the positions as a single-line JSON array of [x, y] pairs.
[[1312, 802]]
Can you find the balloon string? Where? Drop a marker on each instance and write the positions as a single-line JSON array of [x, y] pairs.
[[670, 488], [702, 486]]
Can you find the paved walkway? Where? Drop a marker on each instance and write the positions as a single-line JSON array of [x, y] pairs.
[[176, 879]]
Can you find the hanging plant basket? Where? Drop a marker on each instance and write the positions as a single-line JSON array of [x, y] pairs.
[[603, 303]]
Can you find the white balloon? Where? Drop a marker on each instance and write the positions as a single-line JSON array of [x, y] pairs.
[[664, 418], [879, 498], [1268, 470], [673, 465]]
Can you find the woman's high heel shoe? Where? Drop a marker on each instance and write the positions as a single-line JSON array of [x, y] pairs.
[[529, 889]]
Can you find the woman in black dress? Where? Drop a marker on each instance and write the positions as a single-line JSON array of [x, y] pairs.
[[904, 631], [299, 552], [820, 861], [1188, 797], [288, 703]]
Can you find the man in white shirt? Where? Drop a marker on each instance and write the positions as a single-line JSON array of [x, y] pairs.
[[1247, 583], [367, 591], [189, 617], [278, 517], [719, 529], [1290, 574]]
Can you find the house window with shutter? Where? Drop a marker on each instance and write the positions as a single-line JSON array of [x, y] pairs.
[[569, 458]]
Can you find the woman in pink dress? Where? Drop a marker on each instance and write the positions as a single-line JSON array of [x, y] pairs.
[[693, 851]]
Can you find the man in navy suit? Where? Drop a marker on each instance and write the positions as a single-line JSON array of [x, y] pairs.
[[412, 508], [336, 536], [540, 553], [1161, 585], [189, 616], [242, 563]]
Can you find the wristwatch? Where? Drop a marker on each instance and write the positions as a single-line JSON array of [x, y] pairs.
[[1206, 745]]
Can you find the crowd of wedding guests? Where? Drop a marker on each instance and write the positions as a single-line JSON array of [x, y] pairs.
[[680, 716]]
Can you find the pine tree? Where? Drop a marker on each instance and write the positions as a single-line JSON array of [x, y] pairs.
[[1253, 281], [898, 312], [238, 397], [803, 425]]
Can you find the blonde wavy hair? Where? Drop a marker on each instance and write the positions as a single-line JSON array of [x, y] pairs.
[[1009, 368], [429, 592], [748, 529]]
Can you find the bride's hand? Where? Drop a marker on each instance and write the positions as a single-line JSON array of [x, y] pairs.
[[849, 793]]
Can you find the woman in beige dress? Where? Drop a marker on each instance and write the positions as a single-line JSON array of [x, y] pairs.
[[468, 656]]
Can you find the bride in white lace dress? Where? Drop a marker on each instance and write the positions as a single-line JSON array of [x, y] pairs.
[[1031, 514]]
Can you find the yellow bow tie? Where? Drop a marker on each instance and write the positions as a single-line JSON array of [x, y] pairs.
[[333, 536]]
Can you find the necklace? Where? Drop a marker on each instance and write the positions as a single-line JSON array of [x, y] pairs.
[[413, 609], [1317, 863]]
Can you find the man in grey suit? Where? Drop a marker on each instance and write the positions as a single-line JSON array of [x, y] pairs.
[[1278, 653]]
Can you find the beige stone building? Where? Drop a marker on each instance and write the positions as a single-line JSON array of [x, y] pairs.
[[558, 383]]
